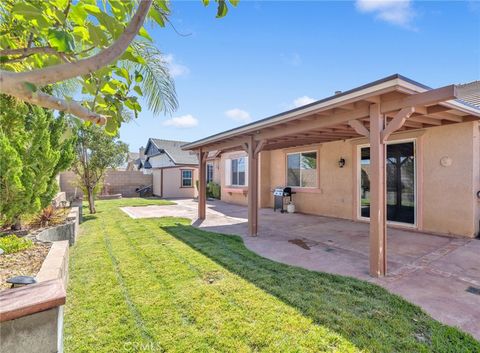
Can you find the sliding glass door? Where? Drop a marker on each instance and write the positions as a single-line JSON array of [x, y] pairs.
[[401, 188]]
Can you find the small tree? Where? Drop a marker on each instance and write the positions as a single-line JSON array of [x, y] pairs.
[[33, 150], [95, 152]]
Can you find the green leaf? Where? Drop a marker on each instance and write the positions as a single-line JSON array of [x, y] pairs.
[[118, 9], [206, 2], [157, 16], [111, 126], [97, 36], [108, 88], [88, 87], [122, 72], [138, 77], [92, 9], [61, 40], [129, 103], [138, 90], [143, 33], [222, 9], [234, 2], [30, 12], [78, 13], [113, 26], [129, 55], [30, 86], [25, 9], [163, 5], [81, 33]]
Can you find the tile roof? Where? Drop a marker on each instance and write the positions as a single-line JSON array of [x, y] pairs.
[[174, 150], [472, 90]]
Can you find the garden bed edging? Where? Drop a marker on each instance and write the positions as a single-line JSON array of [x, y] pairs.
[[31, 317]]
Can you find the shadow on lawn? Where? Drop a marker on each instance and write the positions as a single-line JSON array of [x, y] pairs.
[[89, 217], [364, 313]]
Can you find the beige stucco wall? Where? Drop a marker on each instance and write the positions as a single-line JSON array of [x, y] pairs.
[[333, 195], [238, 198], [446, 196], [156, 182], [172, 183], [449, 201]]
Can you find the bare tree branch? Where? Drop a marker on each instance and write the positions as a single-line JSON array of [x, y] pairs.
[[11, 81], [68, 106], [29, 51]]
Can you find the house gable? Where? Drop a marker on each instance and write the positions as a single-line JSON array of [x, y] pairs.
[[151, 148]]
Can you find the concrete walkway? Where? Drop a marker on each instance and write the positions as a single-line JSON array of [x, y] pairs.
[[437, 273]]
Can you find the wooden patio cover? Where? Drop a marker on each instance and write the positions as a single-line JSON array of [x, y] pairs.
[[375, 111]]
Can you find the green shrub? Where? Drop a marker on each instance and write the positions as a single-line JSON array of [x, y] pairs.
[[12, 243], [213, 190]]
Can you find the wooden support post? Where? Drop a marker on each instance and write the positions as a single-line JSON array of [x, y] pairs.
[[202, 184], [253, 149], [378, 229]]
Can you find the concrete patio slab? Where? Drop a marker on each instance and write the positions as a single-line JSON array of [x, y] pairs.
[[431, 271]]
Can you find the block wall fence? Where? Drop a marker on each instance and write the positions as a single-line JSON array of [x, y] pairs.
[[119, 182]]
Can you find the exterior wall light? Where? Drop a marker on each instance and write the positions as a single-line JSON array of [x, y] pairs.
[[341, 162]]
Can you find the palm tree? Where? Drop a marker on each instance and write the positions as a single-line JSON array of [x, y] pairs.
[[157, 86]]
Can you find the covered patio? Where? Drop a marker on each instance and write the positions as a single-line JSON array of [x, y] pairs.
[[375, 112], [439, 274]]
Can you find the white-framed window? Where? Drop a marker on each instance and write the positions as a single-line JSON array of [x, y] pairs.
[[236, 171], [209, 172], [187, 178], [302, 169]]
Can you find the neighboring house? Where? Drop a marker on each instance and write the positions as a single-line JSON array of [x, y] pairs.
[[134, 160], [174, 170], [323, 151]]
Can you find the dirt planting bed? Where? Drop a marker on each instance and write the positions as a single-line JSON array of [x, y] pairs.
[[22, 263]]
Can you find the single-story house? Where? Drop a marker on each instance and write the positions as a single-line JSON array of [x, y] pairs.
[[174, 170], [393, 151]]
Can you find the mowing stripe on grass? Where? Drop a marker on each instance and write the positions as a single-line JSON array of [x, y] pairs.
[[131, 306]]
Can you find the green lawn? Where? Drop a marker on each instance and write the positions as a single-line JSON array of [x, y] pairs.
[[157, 285]]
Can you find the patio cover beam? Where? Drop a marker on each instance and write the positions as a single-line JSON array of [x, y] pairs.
[[268, 132]]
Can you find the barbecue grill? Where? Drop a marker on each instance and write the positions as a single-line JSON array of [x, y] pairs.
[[280, 195]]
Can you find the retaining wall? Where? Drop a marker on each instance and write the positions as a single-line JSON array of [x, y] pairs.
[[31, 317], [67, 231]]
